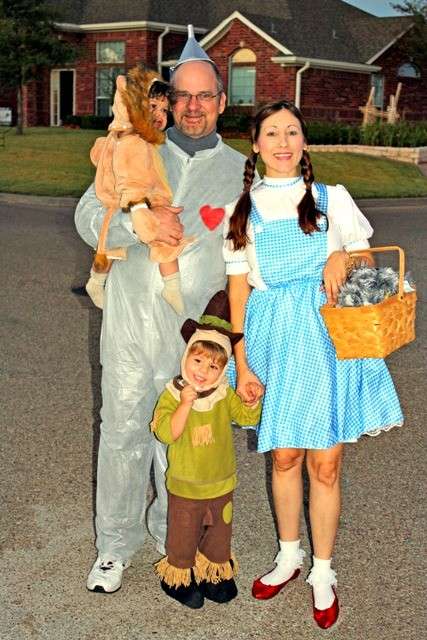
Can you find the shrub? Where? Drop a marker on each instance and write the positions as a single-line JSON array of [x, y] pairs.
[[333, 133], [238, 121], [88, 121], [72, 121], [233, 120], [402, 134]]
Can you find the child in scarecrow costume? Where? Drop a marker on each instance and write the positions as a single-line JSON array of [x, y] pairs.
[[193, 416], [130, 175]]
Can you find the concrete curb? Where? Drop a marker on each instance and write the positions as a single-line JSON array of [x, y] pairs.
[[401, 203], [38, 201], [48, 201], [413, 155]]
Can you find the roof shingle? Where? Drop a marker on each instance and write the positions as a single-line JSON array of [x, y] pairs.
[[328, 29]]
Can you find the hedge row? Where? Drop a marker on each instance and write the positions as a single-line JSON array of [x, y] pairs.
[[402, 134], [87, 122]]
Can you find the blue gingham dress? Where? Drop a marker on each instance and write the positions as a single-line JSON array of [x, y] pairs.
[[312, 400]]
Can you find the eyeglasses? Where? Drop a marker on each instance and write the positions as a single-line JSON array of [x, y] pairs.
[[202, 97]]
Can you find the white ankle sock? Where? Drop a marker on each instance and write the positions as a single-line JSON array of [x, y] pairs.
[[172, 292], [322, 578], [95, 288], [289, 558]]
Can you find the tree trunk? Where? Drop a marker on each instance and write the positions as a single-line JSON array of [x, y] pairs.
[[19, 109]]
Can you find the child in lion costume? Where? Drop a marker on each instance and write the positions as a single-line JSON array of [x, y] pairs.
[[130, 175]]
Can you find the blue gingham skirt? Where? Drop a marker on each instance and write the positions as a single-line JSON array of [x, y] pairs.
[[312, 400]]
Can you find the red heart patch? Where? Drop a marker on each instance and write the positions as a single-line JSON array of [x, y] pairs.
[[211, 216]]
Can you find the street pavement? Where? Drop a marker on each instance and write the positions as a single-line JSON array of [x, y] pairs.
[[50, 399]]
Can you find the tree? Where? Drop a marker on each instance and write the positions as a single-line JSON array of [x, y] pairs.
[[416, 42], [28, 41]]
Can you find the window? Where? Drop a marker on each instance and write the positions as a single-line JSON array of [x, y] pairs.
[[110, 52], [105, 89], [242, 78], [408, 70], [377, 81]]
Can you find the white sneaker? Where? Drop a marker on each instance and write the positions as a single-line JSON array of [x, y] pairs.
[[106, 575]]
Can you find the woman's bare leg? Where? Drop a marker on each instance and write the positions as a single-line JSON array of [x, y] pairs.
[[324, 467], [287, 491]]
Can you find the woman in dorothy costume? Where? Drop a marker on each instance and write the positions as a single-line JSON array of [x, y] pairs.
[[284, 237]]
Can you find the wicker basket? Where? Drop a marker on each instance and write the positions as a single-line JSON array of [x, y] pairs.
[[373, 331]]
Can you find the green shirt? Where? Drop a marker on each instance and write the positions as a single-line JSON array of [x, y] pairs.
[[202, 462]]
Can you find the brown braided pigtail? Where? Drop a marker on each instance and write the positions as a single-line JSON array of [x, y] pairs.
[[308, 214], [239, 220]]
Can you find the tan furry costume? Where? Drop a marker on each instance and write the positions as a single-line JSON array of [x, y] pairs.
[[130, 170]]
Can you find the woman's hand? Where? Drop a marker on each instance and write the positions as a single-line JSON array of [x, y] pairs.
[[335, 274], [249, 388]]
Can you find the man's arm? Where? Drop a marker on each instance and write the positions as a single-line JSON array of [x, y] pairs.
[[88, 219], [90, 213]]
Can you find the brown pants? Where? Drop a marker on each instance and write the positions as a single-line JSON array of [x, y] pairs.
[[203, 525]]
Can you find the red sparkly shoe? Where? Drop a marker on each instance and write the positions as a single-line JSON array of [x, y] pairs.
[[325, 618], [262, 591]]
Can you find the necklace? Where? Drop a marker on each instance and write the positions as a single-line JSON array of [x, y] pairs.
[[285, 183]]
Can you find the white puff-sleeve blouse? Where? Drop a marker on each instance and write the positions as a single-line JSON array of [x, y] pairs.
[[278, 198]]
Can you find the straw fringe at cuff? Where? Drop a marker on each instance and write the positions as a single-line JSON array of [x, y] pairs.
[[172, 576], [213, 571]]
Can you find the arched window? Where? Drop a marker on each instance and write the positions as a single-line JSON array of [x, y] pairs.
[[241, 88], [408, 70]]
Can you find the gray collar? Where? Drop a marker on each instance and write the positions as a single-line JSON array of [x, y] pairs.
[[192, 145]]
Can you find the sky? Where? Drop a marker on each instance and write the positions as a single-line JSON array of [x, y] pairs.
[[377, 7]]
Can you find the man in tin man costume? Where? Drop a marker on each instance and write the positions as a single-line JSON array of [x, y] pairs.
[[141, 342]]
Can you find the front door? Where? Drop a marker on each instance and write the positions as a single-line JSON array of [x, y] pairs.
[[62, 82]]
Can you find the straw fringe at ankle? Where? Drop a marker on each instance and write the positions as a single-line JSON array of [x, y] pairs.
[[172, 576], [213, 571]]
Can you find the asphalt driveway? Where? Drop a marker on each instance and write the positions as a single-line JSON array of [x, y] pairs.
[[49, 389]]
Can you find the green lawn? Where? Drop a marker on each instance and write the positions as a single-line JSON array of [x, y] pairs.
[[55, 162], [364, 176], [47, 161]]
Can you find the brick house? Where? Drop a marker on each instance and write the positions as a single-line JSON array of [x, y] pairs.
[[325, 58]]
